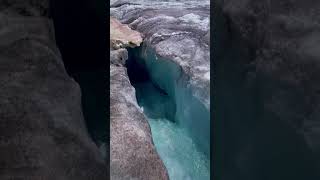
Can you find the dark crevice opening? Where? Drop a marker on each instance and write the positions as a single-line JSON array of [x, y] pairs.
[[138, 74], [137, 71], [80, 33]]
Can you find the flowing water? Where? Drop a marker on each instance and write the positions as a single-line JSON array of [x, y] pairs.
[[175, 146]]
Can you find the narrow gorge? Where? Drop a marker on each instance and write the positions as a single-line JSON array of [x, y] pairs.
[[171, 111], [170, 76], [54, 112]]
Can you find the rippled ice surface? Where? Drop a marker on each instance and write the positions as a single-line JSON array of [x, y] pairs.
[[170, 1], [178, 151]]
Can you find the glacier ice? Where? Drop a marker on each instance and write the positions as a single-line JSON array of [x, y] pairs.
[[180, 123]]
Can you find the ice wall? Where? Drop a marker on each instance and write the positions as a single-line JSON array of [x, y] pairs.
[[189, 111]]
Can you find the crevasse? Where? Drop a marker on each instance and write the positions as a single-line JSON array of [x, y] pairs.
[[180, 123]]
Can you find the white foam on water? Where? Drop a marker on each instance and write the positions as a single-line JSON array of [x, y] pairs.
[[178, 151]]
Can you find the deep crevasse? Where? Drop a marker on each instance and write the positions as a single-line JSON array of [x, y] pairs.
[[180, 124]]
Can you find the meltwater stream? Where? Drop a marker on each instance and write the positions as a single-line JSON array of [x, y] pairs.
[[175, 146]]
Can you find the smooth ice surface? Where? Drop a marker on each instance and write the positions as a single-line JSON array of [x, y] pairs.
[[173, 142]]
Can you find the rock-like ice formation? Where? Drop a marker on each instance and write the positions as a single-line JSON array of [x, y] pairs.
[[121, 36]]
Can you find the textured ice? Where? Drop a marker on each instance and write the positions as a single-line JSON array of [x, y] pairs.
[[177, 31], [196, 20], [180, 123], [189, 112]]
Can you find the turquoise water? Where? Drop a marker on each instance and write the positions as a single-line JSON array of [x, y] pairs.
[[178, 151], [173, 142], [176, 102]]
